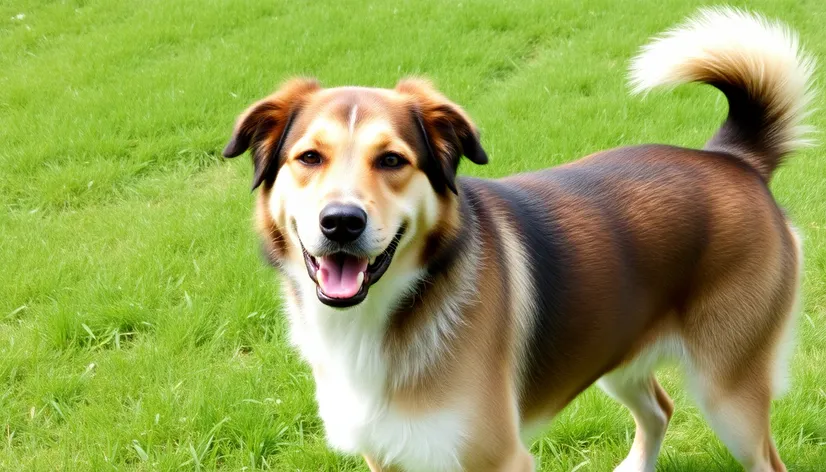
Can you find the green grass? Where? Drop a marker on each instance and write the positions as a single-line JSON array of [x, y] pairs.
[[139, 330]]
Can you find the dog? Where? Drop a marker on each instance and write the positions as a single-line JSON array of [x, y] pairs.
[[445, 318]]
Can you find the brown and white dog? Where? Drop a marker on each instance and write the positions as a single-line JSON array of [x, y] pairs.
[[444, 317]]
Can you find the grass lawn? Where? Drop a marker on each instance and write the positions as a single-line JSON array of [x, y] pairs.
[[140, 330]]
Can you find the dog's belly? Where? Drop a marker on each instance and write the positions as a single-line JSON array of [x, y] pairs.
[[361, 421]]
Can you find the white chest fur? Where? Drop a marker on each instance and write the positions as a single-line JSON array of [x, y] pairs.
[[351, 374]]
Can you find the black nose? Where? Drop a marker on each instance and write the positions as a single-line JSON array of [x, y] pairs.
[[342, 223]]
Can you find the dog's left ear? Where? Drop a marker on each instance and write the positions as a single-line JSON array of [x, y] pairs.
[[263, 128], [447, 131]]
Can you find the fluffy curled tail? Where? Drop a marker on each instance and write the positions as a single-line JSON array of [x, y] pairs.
[[756, 63]]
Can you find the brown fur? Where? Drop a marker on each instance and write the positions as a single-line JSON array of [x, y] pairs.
[[671, 221], [552, 279]]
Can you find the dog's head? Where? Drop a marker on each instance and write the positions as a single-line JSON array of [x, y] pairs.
[[354, 180]]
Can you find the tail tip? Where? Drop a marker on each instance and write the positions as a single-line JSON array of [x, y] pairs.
[[720, 34], [741, 50]]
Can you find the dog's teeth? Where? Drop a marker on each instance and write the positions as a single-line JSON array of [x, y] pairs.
[[360, 279], [373, 260], [318, 275]]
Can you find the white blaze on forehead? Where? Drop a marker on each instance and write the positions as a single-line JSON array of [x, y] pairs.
[[352, 121]]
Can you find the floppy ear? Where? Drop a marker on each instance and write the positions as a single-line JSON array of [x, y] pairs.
[[447, 130], [264, 126]]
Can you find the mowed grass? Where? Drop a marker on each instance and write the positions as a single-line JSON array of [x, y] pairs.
[[140, 330]]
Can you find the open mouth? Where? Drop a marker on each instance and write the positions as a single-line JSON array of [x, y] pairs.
[[342, 279]]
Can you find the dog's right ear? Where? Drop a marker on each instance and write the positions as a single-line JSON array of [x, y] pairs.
[[264, 126]]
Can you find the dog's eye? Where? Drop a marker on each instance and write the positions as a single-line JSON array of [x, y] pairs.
[[391, 160], [310, 158]]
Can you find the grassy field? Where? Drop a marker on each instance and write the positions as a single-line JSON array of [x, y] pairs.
[[139, 330]]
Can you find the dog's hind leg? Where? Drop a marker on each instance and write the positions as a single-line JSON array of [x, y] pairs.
[[737, 408], [651, 408], [735, 336]]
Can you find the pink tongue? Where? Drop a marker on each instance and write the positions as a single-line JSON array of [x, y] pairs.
[[339, 275]]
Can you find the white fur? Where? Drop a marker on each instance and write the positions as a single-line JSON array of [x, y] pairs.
[[650, 419], [667, 349], [725, 416], [787, 339], [523, 295], [351, 125], [629, 385], [352, 375], [726, 43], [429, 342]]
